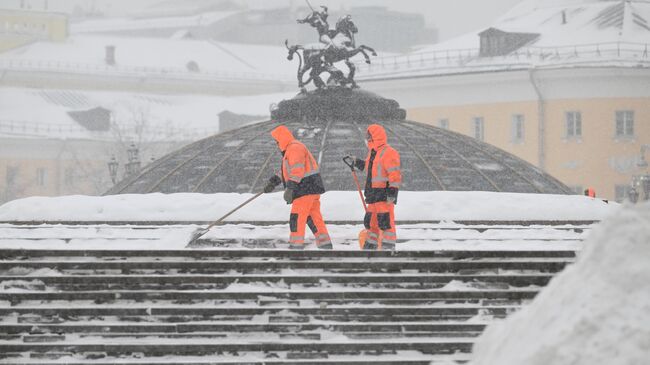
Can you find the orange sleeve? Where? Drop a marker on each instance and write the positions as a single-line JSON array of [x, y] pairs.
[[393, 168]]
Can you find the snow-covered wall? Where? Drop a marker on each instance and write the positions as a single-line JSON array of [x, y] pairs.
[[336, 206]]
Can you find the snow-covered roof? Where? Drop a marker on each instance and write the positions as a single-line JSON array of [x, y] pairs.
[[29, 113], [124, 24], [570, 33], [154, 56]]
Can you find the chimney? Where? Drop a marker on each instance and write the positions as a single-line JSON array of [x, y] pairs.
[[563, 16], [110, 55]]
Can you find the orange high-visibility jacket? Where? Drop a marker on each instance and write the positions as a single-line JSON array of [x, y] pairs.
[[383, 166], [299, 168]]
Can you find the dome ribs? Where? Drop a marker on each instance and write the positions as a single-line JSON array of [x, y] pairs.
[[419, 155], [220, 163], [418, 128], [214, 142], [499, 161]]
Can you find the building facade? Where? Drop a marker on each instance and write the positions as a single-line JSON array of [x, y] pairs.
[[536, 86], [20, 27], [586, 127]]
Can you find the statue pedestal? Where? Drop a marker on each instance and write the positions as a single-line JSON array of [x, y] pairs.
[[338, 103]]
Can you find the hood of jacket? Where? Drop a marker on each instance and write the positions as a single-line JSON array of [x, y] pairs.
[[283, 136], [378, 135]]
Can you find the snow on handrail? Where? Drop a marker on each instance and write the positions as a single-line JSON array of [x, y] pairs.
[[139, 71], [453, 60], [34, 129]]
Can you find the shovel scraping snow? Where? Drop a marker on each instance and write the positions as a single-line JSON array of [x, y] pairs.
[[201, 231]]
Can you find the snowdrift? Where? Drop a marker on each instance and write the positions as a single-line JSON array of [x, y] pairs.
[[336, 206], [595, 312]]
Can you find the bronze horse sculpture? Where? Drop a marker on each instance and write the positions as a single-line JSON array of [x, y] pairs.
[[319, 58]]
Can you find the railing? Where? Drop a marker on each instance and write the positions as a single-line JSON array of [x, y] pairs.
[[137, 71], [31, 129], [458, 59]]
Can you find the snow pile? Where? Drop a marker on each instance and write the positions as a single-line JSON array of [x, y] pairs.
[[336, 206], [596, 312]]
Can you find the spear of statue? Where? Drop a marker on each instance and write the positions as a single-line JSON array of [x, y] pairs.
[[310, 7]]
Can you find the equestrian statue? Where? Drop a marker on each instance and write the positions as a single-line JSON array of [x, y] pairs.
[[334, 45]]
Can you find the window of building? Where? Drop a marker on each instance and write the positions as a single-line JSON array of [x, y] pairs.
[[517, 128], [573, 125], [443, 123], [41, 176], [622, 192], [478, 125], [624, 123]]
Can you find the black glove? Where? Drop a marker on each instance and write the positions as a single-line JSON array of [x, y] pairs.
[[356, 163], [288, 195], [391, 195], [359, 164], [273, 182]]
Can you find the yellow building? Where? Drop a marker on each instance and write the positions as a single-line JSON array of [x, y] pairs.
[[561, 84], [20, 27]]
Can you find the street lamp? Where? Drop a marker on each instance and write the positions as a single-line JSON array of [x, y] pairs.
[[112, 168], [133, 166]]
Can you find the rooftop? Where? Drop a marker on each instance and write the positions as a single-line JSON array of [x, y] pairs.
[[50, 113], [578, 33]]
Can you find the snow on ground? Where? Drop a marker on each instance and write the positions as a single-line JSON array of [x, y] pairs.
[[336, 206], [421, 237], [595, 312]]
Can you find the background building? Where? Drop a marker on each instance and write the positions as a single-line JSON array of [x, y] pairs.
[[561, 84]]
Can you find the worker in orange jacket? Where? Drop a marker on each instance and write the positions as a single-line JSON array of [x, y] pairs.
[[303, 186], [384, 178]]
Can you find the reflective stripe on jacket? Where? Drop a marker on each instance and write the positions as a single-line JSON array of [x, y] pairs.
[[382, 165], [299, 168]]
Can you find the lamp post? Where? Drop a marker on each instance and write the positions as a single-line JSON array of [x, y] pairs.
[[133, 166], [112, 168]]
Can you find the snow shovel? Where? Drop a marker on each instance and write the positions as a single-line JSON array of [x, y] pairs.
[[350, 162], [363, 235], [201, 231]]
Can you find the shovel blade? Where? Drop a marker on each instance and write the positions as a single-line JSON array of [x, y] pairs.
[[197, 234]]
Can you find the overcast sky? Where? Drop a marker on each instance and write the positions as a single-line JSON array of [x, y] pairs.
[[451, 17]]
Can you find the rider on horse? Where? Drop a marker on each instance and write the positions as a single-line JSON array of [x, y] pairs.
[[318, 20]]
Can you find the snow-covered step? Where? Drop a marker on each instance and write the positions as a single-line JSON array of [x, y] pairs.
[[375, 280], [366, 358], [417, 236], [200, 295], [237, 304], [163, 346], [458, 253], [97, 326]]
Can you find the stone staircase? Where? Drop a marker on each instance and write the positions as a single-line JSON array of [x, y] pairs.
[[266, 306]]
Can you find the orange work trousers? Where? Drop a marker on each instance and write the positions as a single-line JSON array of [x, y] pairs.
[[380, 218], [306, 210]]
